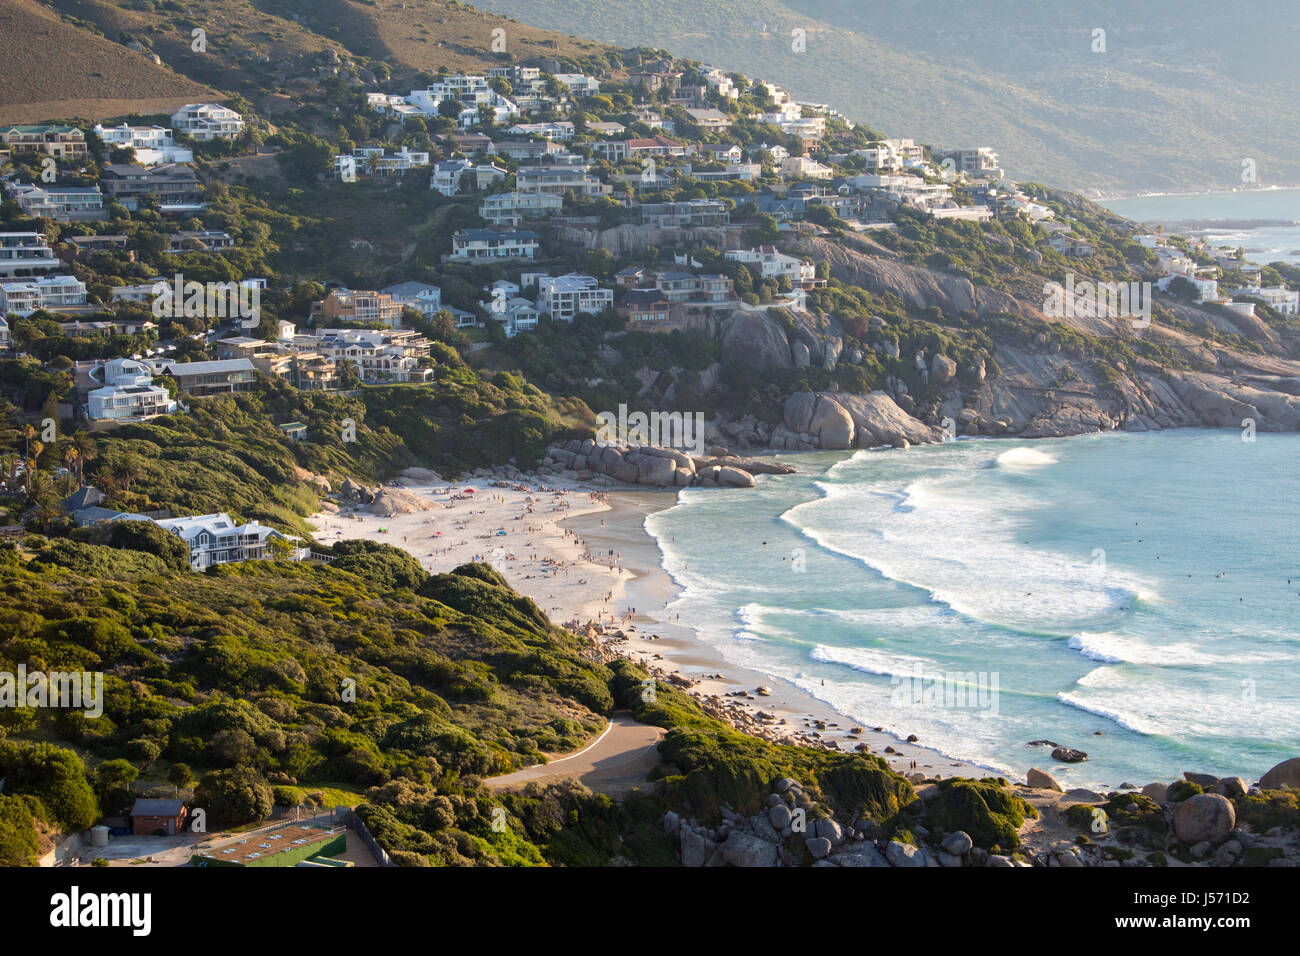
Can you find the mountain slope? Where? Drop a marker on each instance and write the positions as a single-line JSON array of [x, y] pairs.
[[1183, 93], [56, 70]]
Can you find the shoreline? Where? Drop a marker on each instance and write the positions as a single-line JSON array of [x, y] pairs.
[[582, 553], [670, 648]]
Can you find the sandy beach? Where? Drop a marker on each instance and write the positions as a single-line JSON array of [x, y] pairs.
[[582, 553]]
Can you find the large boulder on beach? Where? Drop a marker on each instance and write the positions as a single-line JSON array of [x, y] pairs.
[[652, 470], [1285, 774], [735, 478], [831, 425], [798, 411], [878, 420], [394, 501], [1042, 780], [1205, 816]]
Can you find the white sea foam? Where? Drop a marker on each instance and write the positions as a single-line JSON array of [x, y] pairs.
[[962, 545], [1025, 458]]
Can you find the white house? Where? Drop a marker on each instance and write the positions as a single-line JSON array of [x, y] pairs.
[[22, 297], [805, 168], [494, 244], [128, 394], [774, 264], [24, 252], [216, 539], [512, 208], [152, 144], [560, 130], [447, 175], [64, 203], [567, 295], [424, 298], [208, 121]]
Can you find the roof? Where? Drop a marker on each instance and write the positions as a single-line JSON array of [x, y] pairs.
[[145, 807], [409, 288], [84, 498], [208, 368]]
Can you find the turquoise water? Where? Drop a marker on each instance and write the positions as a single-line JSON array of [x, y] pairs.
[[1126, 595], [1279, 242]]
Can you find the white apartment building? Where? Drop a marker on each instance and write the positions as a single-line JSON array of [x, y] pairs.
[[560, 179], [24, 252], [564, 297], [380, 355], [1278, 298], [512, 208], [579, 84], [152, 144], [494, 244], [216, 539], [560, 130], [804, 168], [470, 92], [208, 121], [25, 296], [63, 203]]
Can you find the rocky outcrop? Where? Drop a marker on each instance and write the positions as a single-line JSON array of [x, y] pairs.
[[655, 466], [756, 340], [841, 421]]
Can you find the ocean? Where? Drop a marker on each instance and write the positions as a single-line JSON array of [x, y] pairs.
[[1265, 222], [1133, 596]]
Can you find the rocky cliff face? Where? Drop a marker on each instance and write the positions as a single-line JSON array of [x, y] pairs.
[[1039, 387]]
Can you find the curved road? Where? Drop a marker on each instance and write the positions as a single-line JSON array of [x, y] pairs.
[[615, 762]]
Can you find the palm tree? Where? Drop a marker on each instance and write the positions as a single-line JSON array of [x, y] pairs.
[[28, 434], [34, 448], [87, 451], [126, 469], [71, 458], [46, 499]]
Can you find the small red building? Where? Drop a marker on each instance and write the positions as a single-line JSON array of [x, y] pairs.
[[148, 816]]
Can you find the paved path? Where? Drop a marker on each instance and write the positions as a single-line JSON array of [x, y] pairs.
[[615, 762]]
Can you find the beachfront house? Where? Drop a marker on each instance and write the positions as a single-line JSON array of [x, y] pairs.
[[217, 539]]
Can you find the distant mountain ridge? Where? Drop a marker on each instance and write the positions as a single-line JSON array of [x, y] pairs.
[[1181, 95]]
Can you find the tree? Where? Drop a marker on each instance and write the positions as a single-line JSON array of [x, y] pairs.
[[235, 796], [449, 108], [19, 841], [181, 776], [113, 779]]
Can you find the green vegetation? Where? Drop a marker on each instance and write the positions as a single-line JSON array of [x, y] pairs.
[[989, 813]]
